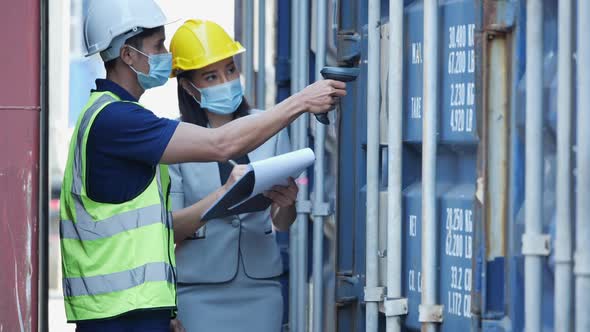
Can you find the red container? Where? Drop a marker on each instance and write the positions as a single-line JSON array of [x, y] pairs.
[[20, 33]]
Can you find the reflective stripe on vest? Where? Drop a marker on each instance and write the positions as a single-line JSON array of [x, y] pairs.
[[86, 229], [100, 103], [118, 281]]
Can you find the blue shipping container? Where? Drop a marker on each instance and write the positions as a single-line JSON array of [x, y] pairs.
[[480, 164]]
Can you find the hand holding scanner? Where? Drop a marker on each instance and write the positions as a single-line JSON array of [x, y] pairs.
[[342, 74]]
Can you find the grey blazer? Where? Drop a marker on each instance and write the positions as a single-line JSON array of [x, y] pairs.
[[212, 256]]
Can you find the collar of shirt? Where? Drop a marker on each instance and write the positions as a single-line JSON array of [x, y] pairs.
[[103, 85]]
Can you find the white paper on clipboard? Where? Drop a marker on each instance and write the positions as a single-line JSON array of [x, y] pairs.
[[276, 171], [244, 195]]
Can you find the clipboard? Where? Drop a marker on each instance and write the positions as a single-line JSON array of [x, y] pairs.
[[246, 194]]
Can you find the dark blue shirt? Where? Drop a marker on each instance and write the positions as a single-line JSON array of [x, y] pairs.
[[125, 144]]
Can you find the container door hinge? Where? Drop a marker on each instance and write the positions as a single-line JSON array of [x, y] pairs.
[[395, 307], [345, 300], [374, 294], [346, 292], [499, 16], [430, 313], [536, 244]]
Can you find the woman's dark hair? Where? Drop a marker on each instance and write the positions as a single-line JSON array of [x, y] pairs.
[[191, 111]]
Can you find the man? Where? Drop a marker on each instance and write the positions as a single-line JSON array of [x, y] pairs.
[[116, 227]]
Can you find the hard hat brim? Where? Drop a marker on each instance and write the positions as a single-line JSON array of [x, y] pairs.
[[221, 57]]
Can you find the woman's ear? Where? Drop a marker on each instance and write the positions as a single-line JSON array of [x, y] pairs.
[[186, 86], [189, 88]]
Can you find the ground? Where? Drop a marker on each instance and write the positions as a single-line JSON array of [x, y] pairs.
[[57, 314]]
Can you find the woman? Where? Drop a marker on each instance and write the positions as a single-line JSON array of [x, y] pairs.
[[227, 270]]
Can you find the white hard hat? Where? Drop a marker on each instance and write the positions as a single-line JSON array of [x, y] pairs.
[[109, 23]]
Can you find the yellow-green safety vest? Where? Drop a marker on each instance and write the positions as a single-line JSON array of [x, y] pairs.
[[116, 258]]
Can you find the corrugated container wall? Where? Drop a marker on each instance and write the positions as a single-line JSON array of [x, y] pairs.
[[480, 165]]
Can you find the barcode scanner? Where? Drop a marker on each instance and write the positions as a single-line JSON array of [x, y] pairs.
[[342, 74]]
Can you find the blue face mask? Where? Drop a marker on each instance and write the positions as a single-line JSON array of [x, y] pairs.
[[160, 69], [221, 99]]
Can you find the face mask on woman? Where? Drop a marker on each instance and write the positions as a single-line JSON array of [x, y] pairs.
[[221, 99]]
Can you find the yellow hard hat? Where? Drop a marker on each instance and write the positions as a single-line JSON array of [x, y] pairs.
[[198, 43]]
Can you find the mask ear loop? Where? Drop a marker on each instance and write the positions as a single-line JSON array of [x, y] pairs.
[[194, 87], [140, 52]]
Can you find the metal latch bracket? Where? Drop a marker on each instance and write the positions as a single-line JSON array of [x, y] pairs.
[[430, 313], [395, 307], [582, 264], [303, 206], [322, 209], [536, 244]]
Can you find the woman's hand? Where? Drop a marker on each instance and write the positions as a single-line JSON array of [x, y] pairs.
[[283, 212], [283, 196]]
